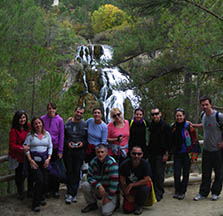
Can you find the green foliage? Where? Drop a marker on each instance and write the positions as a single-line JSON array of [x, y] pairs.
[[108, 17]]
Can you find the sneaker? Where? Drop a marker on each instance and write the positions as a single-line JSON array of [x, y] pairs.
[[74, 199], [181, 196], [69, 199], [214, 197], [199, 197], [175, 196]]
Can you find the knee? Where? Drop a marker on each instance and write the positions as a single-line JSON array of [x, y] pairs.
[[86, 187]]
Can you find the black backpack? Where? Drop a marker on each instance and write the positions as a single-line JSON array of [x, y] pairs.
[[220, 125]]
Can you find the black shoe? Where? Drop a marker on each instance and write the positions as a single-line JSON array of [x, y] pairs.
[[89, 208], [138, 211], [56, 195], [47, 195], [36, 209], [42, 202], [20, 196], [176, 196]]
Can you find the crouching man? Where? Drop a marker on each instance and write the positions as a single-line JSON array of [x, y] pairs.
[[135, 182], [102, 184]]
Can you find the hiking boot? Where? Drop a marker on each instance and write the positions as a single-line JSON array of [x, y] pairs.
[[214, 197], [199, 197], [89, 207]]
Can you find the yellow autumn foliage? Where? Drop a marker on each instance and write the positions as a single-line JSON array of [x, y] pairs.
[[108, 17]]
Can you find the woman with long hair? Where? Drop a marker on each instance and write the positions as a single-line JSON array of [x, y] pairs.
[[17, 136], [39, 155], [185, 150], [55, 126], [118, 135], [138, 130]]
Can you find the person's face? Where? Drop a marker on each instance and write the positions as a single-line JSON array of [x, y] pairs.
[[138, 115], [206, 106], [22, 120], [101, 154], [78, 114], [180, 117], [38, 125], [136, 154], [51, 111], [97, 115], [117, 116], [156, 115]]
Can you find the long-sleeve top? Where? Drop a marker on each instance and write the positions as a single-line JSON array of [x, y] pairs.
[[97, 133], [16, 140], [39, 145], [105, 174], [55, 126]]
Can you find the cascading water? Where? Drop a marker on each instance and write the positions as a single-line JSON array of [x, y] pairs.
[[109, 96]]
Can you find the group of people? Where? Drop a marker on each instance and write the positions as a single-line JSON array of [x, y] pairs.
[[124, 157]]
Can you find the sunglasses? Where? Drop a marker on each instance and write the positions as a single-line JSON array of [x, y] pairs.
[[153, 114], [180, 110], [137, 153], [115, 115]]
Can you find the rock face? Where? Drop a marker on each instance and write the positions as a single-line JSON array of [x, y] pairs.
[[88, 73]]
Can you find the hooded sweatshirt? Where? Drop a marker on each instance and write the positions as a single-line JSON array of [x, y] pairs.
[[55, 126]]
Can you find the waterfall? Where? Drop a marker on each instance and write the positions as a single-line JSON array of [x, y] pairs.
[[109, 95]]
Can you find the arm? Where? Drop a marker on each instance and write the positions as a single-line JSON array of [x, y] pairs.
[[50, 150], [61, 138], [104, 135], [13, 141]]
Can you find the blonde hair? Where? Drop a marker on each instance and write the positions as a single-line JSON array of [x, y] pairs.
[[114, 110]]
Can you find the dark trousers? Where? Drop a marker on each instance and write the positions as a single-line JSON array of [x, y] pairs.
[[181, 165], [73, 160], [211, 161], [39, 176], [53, 182], [140, 193], [158, 169], [20, 178]]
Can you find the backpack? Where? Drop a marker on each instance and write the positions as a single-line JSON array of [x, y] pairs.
[[220, 125]]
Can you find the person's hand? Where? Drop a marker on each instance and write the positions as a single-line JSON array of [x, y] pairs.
[[102, 191], [80, 144], [70, 145], [165, 157], [105, 201], [33, 164], [46, 163], [129, 188], [26, 148], [220, 145], [60, 155]]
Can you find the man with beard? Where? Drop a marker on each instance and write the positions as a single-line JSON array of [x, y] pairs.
[[159, 142], [135, 182], [75, 143]]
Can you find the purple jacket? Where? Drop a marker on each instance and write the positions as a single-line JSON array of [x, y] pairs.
[[55, 126]]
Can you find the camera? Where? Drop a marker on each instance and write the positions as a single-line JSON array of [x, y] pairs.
[[75, 144]]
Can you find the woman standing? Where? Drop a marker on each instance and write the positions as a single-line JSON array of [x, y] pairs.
[[97, 133], [118, 135], [17, 136], [184, 142], [138, 127], [55, 126], [39, 155]]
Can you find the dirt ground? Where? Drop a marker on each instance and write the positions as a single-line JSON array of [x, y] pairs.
[[10, 206]]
